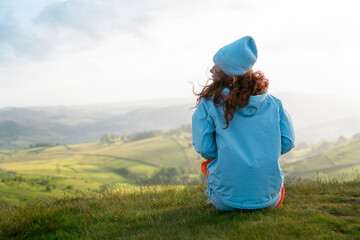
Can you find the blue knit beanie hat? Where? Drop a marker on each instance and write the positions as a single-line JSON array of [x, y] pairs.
[[238, 57]]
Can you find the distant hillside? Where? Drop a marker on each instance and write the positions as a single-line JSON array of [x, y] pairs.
[[330, 129], [22, 127], [314, 109], [315, 118], [144, 119], [341, 161]]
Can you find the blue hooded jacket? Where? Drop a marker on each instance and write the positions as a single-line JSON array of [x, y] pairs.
[[245, 173]]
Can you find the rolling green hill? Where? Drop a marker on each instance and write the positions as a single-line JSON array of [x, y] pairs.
[[162, 157], [342, 161], [28, 174]]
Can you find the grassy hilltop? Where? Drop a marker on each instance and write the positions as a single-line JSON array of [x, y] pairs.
[[93, 191], [311, 210]]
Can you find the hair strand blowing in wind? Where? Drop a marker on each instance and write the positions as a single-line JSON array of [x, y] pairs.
[[241, 87]]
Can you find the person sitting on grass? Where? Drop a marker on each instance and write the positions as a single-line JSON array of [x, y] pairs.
[[241, 130]]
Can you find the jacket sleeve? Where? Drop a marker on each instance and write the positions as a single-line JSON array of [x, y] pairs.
[[203, 130], [287, 131]]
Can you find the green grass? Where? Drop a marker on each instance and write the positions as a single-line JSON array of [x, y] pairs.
[[311, 210]]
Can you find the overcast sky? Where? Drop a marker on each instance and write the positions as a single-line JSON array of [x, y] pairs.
[[96, 51]]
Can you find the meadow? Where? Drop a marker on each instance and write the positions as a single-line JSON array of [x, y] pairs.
[[149, 186], [311, 210]]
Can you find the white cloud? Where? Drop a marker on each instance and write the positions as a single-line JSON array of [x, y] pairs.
[[14, 41], [102, 51], [94, 18]]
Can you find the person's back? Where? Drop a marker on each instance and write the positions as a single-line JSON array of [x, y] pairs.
[[245, 130]]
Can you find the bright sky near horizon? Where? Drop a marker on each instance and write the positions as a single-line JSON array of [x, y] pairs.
[[75, 52]]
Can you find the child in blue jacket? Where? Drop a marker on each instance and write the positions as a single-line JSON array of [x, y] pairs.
[[243, 129]]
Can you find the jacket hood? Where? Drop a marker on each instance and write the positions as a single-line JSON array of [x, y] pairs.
[[254, 103]]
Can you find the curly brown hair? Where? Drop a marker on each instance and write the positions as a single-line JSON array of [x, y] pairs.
[[241, 87]]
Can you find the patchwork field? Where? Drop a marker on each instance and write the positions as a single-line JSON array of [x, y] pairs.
[[28, 174]]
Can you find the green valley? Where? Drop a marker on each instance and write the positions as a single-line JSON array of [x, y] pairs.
[[146, 158], [29, 174]]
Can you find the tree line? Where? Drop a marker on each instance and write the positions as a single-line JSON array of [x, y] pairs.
[[163, 176], [112, 138]]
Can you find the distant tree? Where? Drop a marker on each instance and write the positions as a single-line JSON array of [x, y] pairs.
[[38, 145], [167, 176], [123, 172], [186, 128], [105, 139], [142, 135], [341, 140], [109, 138]]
